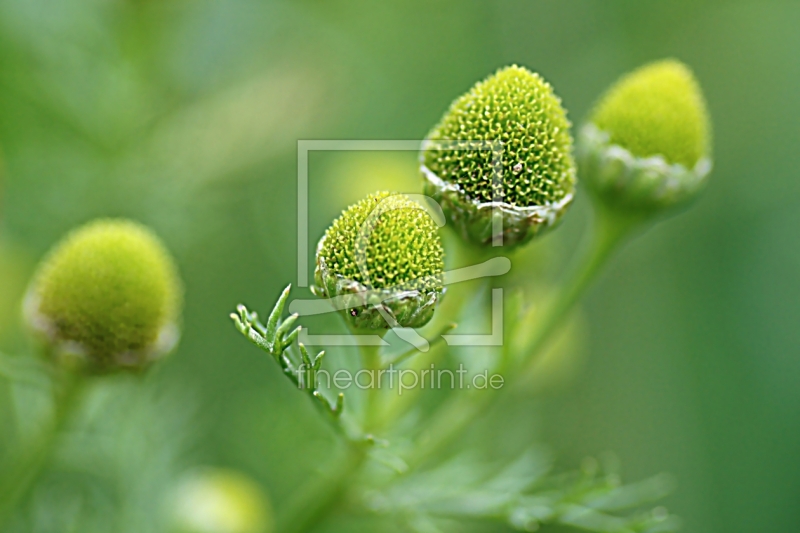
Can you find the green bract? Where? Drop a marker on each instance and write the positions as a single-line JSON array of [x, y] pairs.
[[502, 150], [647, 145], [383, 257], [108, 295]]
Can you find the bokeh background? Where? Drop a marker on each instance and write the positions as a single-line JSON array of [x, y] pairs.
[[185, 114]]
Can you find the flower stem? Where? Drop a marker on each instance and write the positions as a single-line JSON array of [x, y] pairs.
[[451, 308], [371, 361], [611, 229], [455, 415], [314, 503], [18, 482]]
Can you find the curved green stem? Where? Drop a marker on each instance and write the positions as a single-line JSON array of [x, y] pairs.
[[611, 229], [400, 405], [455, 415], [370, 359], [312, 505], [18, 482]]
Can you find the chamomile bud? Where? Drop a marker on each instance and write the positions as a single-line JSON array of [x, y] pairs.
[[106, 298], [219, 501], [382, 263], [502, 151], [647, 145]]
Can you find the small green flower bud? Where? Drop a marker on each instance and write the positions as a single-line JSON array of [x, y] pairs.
[[108, 297], [219, 501], [384, 258], [647, 145], [504, 150]]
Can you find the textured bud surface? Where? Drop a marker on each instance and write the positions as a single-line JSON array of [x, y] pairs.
[[109, 293], [647, 146], [386, 248], [504, 143], [657, 110]]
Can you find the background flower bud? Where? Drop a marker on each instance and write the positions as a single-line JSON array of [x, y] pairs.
[[108, 295], [219, 501], [647, 145], [504, 146], [383, 255]]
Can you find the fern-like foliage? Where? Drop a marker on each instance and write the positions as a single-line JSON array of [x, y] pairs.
[[525, 496], [277, 338]]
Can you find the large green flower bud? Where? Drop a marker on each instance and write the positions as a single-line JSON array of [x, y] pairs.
[[383, 258], [647, 146], [107, 297], [503, 150]]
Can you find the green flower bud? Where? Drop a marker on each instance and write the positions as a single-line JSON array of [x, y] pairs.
[[383, 257], [502, 150], [647, 146], [219, 501], [108, 297]]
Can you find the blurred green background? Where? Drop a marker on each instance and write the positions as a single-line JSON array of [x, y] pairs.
[[185, 114]]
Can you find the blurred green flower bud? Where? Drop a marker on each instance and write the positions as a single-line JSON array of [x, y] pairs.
[[107, 297], [502, 150], [383, 258], [219, 501], [647, 145]]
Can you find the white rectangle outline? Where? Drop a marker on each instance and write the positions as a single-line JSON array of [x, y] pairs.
[[495, 338]]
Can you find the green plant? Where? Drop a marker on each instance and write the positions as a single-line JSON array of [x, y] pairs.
[[502, 149], [645, 149], [106, 299], [647, 145], [383, 258], [219, 500]]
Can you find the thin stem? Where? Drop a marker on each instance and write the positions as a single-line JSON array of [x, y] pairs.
[[455, 415], [370, 359], [611, 229], [448, 313], [400, 405], [314, 503], [17, 483], [311, 506]]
